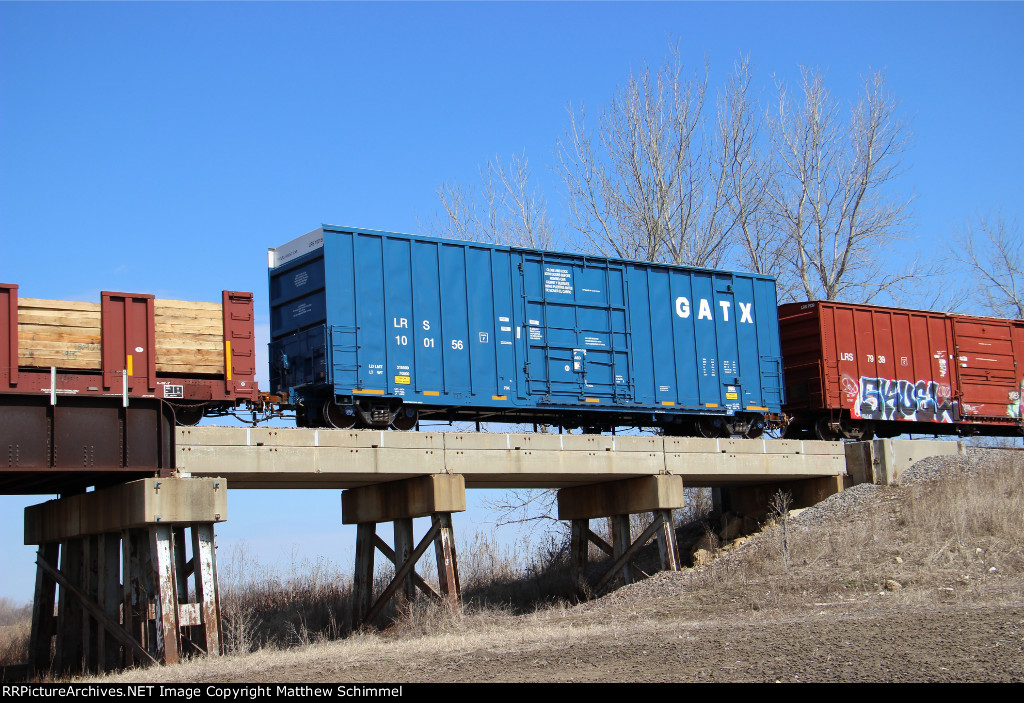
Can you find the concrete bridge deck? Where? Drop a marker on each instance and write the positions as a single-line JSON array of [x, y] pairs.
[[307, 458]]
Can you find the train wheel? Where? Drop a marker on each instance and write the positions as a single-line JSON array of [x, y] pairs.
[[756, 429], [823, 428], [710, 427], [405, 420], [187, 415], [342, 417], [859, 432]]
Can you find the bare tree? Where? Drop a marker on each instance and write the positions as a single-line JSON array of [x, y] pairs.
[[991, 250], [747, 168], [829, 189], [504, 209], [527, 505], [642, 184]]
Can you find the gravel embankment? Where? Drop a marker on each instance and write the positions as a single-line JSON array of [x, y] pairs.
[[978, 459], [838, 506]]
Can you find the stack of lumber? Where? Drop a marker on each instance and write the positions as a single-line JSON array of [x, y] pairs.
[[189, 337], [60, 333], [68, 334]]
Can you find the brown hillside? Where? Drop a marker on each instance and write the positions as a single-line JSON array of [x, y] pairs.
[[917, 582]]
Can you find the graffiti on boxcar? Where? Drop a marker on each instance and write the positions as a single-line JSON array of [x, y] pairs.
[[889, 399], [1016, 402], [851, 389]]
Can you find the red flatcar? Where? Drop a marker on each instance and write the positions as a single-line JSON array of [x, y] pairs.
[[857, 371], [198, 358]]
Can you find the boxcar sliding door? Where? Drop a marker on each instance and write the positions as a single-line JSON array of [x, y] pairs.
[[574, 330]]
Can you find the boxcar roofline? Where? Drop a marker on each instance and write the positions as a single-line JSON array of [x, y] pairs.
[[889, 308], [498, 247]]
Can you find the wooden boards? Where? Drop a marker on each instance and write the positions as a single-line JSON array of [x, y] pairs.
[[67, 334], [60, 333], [189, 337]]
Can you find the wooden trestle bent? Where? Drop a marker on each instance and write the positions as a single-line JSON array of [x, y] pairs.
[[617, 500], [436, 496], [116, 562]]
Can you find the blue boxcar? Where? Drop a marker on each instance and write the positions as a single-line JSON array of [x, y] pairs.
[[377, 329]]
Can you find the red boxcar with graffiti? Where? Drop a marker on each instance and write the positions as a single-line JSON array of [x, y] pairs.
[[860, 371]]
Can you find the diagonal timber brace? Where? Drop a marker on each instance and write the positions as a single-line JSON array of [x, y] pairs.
[[617, 500], [114, 628], [440, 534], [122, 586], [624, 556], [399, 502], [388, 552]]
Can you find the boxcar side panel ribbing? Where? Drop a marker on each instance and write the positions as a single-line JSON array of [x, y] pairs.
[[448, 326], [855, 369]]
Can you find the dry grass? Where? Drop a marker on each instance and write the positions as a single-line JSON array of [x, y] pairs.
[[964, 530], [15, 624], [260, 607], [450, 636], [312, 602], [520, 577], [936, 540]]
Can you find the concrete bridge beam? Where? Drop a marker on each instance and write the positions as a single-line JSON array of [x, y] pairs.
[[307, 458]]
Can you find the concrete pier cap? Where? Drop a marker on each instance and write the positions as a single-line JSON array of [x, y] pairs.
[[625, 497], [142, 503], [407, 498]]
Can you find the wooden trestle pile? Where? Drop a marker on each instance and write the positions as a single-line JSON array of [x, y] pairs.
[[132, 588]]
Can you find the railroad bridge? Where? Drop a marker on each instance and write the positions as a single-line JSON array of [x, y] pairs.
[[127, 573]]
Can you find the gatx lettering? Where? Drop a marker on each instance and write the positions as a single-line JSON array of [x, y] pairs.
[[684, 310]]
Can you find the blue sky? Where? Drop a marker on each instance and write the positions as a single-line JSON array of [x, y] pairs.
[[161, 148]]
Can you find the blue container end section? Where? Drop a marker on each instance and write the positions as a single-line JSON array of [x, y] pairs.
[[377, 328]]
